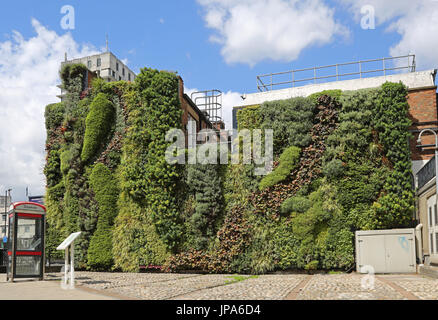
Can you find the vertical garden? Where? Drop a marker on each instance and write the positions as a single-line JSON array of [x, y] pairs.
[[342, 163]]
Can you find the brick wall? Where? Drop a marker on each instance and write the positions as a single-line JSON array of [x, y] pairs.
[[424, 114], [189, 108]]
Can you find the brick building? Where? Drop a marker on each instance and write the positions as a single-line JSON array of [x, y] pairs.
[[108, 67]]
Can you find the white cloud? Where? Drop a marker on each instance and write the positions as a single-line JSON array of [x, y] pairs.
[[415, 21], [28, 78], [385, 10], [250, 31], [230, 99]]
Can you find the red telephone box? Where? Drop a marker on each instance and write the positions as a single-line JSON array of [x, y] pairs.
[[26, 251]]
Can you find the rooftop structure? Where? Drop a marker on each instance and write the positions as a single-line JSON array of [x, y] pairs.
[[336, 72], [106, 65]]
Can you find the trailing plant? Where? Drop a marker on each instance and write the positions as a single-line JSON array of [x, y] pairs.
[[146, 176]]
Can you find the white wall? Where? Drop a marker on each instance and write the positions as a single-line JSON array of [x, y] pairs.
[[411, 80]]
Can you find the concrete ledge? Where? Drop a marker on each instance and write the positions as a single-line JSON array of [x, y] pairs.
[[429, 271], [413, 80]]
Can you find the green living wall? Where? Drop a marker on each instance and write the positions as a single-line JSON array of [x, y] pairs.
[[342, 163]]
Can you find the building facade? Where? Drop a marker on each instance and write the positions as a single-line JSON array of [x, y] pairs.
[[427, 213], [5, 203], [106, 66], [422, 99]]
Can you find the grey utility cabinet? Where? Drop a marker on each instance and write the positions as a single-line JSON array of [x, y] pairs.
[[386, 251]]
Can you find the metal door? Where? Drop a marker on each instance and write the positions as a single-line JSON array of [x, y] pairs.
[[372, 253], [399, 255]]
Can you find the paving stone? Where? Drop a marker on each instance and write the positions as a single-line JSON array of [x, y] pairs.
[[154, 286]]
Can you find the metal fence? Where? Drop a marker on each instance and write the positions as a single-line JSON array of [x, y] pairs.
[[336, 72]]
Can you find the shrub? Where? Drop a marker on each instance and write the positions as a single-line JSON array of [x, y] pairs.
[[146, 175], [98, 125], [291, 121], [288, 162], [52, 170], [394, 209], [54, 116], [249, 118], [205, 183], [106, 192], [295, 204], [333, 169]]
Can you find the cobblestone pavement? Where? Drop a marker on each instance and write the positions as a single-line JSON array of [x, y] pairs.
[[155, 286]]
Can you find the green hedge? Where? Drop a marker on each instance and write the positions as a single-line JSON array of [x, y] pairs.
[[105, 187], [344, 165], [288, 162], [98, 125], [146, 176]]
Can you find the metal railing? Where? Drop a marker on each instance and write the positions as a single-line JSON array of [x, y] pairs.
[[269, 82], [426, 173], [209, 101]]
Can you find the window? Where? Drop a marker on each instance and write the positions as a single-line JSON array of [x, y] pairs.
[[430, 217], [129, 76], [431, 244], [89, 64], [99, 62], [3, 217], [123, 71], [117, 66], [114, 74], [436, 217], [436, 243], [120, 78]]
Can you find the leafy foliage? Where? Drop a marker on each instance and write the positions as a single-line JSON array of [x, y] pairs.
[[205, 183], [342, 164], [291, 121], [288, 162], [146, 176], [98, 125], [106, 193], [395, 208]]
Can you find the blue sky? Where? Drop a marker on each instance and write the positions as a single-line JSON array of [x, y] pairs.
[[172, 35], [212, 44]]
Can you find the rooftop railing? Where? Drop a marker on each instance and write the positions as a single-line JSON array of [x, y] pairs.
[[335, 72]]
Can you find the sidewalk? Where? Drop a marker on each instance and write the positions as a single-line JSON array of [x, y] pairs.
[[43, 290]]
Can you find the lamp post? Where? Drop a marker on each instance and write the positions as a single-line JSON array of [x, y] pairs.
[[6, 208]]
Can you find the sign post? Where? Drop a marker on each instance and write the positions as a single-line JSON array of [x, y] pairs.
[[67, 244]]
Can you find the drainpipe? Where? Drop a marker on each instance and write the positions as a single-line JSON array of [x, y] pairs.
[[419, 237]]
